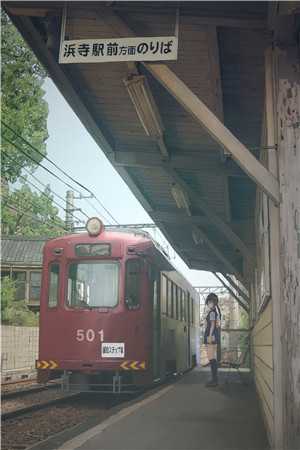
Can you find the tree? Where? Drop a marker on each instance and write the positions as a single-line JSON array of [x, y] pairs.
[[15, 312], [23, 106], [8, 291], [29, 213]]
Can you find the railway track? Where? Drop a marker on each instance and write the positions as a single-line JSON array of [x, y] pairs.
[[14, 413], [23, 392], [36, 423]]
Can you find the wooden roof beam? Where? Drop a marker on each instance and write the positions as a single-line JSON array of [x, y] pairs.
[[216, 251], [194, 162], [222, 226], [240, 302], [191, 103], [236, 287], [179, 219]]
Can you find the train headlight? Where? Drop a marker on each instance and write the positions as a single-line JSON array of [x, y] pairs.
[[94, 226]]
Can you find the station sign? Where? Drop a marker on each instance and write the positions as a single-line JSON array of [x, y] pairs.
[[117, 50]]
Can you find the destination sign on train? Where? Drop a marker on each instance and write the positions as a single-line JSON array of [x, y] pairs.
[[116, 50]]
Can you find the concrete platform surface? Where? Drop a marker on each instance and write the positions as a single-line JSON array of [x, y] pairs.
[[184, 416]]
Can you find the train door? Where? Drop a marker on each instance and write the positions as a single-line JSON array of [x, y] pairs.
[[156, 326]]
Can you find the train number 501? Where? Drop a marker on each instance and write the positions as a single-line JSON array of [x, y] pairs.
[[88, 335]]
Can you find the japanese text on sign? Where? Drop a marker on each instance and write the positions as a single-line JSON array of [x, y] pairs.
[[123, 49], [113, 350]]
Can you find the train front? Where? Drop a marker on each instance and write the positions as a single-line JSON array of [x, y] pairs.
[[95, 314]]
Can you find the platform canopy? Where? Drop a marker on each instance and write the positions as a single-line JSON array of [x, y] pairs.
[[184, 134]]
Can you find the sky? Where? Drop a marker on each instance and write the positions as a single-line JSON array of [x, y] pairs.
[[71, 147]]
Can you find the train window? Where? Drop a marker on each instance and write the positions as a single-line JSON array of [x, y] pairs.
[[184, 315], [133, 283], [170, 299], [192, 310], [53, 286], [179, 304], [92, 250], [164, 294], [93, 284], [174, 301]]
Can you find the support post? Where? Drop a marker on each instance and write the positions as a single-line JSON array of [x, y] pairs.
[[274, 217], [69, 210]]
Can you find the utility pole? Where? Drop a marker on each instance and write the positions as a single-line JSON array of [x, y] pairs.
[[69, 211]]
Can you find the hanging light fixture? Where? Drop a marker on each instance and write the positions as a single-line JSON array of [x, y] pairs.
[[144, 104], [180, 198]]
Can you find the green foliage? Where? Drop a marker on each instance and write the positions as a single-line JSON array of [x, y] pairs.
[[19, 314], [29, 213], [8, 291], [23, 106], [15, 312]]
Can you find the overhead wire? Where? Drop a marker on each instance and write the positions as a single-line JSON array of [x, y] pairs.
[[32, 216], [40, 164], [50, 190], [61, 170], [26, 170]]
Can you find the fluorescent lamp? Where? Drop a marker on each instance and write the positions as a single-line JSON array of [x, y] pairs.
[[196, 237], [180, 198], [144, 104]]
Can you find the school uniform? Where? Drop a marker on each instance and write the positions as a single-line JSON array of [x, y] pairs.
[[212, 315]]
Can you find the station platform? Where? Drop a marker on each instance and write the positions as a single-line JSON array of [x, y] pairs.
[[184, 416]]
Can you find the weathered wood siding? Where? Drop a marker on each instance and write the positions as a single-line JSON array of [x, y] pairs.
[[289, 173], [263, 364]]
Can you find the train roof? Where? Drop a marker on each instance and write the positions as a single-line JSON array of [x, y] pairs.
[[122, 235]]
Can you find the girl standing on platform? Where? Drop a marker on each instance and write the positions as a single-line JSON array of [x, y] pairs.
[[212, 336]]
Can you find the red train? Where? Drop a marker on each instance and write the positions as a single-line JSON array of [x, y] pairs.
[[114, 313]]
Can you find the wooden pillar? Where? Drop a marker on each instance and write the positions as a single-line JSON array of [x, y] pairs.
[[288, 107], [274, 217]]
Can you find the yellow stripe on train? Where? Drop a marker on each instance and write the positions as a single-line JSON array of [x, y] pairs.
[[133, 365], [46, 364]]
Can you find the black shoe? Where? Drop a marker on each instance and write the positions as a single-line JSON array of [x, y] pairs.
[[212, 383]]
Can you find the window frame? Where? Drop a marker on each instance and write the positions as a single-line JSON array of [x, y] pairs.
[[52, 263], [90, 261], [164, 295], [25, 271], [175, 300], [184, 306], [139, 305], [170, 298], [30, 298]]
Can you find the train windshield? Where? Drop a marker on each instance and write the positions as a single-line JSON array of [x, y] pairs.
[[93, 285]]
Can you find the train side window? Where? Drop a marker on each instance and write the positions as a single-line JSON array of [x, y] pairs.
[[175, 306], [133, 283], [53, 286], [179, 303], [184, 316], [164, 294], [170, 299], [192, 310]]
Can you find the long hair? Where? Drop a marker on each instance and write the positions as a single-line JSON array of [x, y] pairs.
[[215, 299]]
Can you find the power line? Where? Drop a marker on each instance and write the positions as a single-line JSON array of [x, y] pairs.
[[40, 164], [61, 170], [54, 193], [46, 157], [44, 185], [32, 216], [54, 201]]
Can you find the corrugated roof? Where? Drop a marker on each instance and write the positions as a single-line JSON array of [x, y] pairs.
[[22, 250]]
